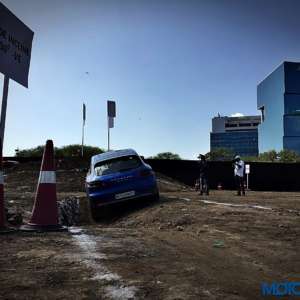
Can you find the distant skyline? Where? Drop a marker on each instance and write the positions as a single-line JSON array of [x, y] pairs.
[[170, 66]]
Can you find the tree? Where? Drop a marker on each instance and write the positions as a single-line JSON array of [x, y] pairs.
[[75, 150], [64, 151], [166, 155], [220, 154], [32, 152], [269, 156], [282, 156], [288, 156]]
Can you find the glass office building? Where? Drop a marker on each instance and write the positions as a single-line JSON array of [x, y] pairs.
[[278, 99], [239, 134]]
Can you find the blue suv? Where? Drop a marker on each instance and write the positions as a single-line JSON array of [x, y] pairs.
[[117, 176]]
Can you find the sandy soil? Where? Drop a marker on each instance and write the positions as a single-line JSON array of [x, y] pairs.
[[184, 246]]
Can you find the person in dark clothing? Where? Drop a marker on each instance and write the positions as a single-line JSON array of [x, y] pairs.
[[203, 175], [239, 171]]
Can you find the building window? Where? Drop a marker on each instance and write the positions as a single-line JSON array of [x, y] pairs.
[[244, 124], [262, 111]]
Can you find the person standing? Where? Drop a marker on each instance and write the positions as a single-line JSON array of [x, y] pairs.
[[239, 171], [203, 175]]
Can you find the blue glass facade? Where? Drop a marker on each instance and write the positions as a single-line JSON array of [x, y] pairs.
[[278, 97], [244, 143]]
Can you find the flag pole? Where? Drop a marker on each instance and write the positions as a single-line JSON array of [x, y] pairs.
[[83, 123], [108, 135], [82, 140]]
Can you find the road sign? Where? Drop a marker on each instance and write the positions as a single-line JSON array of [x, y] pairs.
[[15, 46], [111, 109], [110, 122], [111, 114], [247, 171]]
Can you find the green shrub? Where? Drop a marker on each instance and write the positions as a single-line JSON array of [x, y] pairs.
[[63, 152]]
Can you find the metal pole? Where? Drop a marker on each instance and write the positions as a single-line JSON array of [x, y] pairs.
[[3, 110], [247, 181], [108, 135], [82, 142]]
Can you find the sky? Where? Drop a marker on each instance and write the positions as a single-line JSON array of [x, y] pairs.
[[170, 66]]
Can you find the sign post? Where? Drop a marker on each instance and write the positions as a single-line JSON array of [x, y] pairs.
[[3, 110], [15, 53], [83, 124], [247, 171], [111, 114]]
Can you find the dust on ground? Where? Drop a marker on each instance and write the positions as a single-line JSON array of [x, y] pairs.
[[184, 246]]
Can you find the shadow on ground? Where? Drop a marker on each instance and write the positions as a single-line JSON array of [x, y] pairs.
[[114, 212]]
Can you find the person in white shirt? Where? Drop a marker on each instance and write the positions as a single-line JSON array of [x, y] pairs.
[[239, 171]]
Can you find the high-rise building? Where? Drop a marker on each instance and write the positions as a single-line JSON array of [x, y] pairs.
[[239, 134], [278, 99]]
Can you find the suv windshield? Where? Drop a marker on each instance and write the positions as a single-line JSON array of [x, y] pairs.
[[119, 164]]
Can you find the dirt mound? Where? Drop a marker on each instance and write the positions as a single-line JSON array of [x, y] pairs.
[[71, 177], [21, 182]]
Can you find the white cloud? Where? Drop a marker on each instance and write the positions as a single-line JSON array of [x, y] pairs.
[[237, 115]]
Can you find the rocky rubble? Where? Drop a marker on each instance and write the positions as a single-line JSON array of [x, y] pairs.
[[69, 211], [13, 217]]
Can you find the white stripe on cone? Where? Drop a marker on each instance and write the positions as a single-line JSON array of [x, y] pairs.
[[47, 177], [1, 178]]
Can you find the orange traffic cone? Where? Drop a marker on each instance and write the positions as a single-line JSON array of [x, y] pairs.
[[3, 227], [45, 211]]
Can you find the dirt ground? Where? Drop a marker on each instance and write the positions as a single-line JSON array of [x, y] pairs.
[[185, 246]]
